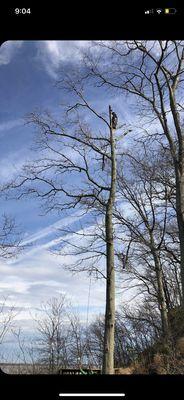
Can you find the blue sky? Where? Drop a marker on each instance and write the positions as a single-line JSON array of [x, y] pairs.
[[28, 71]]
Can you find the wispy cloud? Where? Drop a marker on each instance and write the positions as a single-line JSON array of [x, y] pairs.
[[8, 50], [5, 126], [62, 223], [53, 53], [40, 277], [12, 163]]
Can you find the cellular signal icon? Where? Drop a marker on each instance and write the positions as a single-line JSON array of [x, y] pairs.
[[148, 11]]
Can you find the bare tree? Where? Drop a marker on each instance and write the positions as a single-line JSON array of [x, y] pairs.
[[146, 226], [26, 354], [137, 328], [7, 315], [10, 238], [71, 149], [152, 72], [52, 334], [77, 341], [141, 326], [95, 341]]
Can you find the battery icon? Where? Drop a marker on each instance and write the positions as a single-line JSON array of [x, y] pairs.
[[170, 10]]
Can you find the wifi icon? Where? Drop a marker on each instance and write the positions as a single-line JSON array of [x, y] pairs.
[[159, 11]]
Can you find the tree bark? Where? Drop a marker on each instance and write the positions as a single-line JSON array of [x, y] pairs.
[[161, 299], [180, 219], [179, 174], [108, 354]]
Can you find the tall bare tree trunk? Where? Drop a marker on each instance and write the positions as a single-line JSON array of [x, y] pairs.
[[180, 219], [162, 300], [179, 173], [108, 355]]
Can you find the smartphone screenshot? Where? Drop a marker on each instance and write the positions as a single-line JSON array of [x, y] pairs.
[[92, 201]]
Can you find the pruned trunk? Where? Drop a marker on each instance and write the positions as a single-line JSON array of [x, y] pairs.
[[108, 353], [108, 356]]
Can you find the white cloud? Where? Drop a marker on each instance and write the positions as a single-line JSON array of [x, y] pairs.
[[62, 223], [5, 126], [29, 282], [21, 285], [38, 274], [12, 164], [52, 53], [8, 50]]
